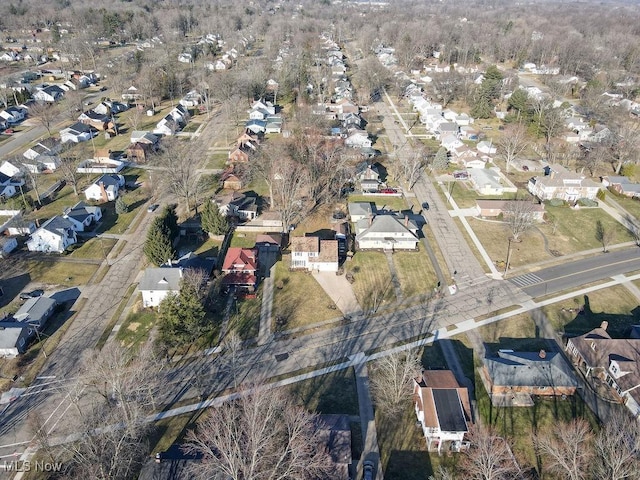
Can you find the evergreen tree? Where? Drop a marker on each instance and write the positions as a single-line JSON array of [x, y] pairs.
[[121, 206], [518, 101], [441, 160], [170, 220], [158, 248], [182, 317], [213, 220], [482, 107]]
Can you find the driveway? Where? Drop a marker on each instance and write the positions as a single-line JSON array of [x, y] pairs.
[[340, 291]]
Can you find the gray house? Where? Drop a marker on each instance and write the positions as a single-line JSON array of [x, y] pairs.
[[36, 311], [16, 331], [14, 338]]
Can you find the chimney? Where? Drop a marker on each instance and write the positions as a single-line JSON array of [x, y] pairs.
[[542, 354], [103, 192], [370, 219], [604, 325], [406, 221]]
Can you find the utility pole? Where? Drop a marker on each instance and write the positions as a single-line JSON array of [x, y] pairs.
[[506, 266]]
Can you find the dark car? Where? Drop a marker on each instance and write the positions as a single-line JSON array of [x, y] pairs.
[[367, 470], [388, 190], [425, 205], [525, 168], [31, 294]]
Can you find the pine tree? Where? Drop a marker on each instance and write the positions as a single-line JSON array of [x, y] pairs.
[[182, 317], [121, 206], [158, 247], [170, 220], [441, 160], [213, 221]]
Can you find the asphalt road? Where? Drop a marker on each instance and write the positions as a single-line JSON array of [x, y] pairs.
[[577, 273]]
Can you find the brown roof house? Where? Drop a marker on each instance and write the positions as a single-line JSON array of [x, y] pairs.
[[517, 375], [495, 208], [613, 360], [311, 253], [443, 409], [230, 181]]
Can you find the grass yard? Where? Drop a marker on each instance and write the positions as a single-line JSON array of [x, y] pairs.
[[94, 248], [415, 272], [630, 205], [382, 202], [333, 393], [463, 194], [217, 161], [135, 329], [210, 248], [61, 273], [472, 245], [63, 199], [318, 223], [372, 286], [298, 300], [516, 333], [245, 317], [615, 305], [243, 239]]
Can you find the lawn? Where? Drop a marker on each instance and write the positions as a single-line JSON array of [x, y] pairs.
[[578, 315], [217, 161], [298, 300], [372, 279], [245, 317], [630, 205], [243, 239], [415, 272], [333, 393], [463, 194], [61, 273], [94, 248], [210, 248], [317, 223], [517, 333], [135, 329], [382, 202], [63, 199]]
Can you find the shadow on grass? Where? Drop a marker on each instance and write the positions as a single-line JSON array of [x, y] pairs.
[[333, 393], [585, 319]]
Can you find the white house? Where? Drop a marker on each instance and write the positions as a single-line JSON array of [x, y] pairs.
[[50, 94], [157, 283], [359, 211], [358, 139], [9, 169], [105, 189], [13, 115], [78, 132], [486, 147], [82, 215], [313, 254], [386, 232], [7, 245], [563, 184], [55, 235], [487, 181], [100, 165]]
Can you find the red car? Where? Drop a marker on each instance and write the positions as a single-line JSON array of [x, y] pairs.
[[388, 190], [8, 131]]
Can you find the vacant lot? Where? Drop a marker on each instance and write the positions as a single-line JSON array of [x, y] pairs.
[[62, 274], [372, 279], [298, 300], [135, 329], [415, 272]]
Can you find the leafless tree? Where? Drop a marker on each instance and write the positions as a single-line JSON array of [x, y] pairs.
[[412, 163], [262, 435], [568, 449], [33, 181], [135, 117], [512, 143], [69, 158], [180, 161], [594, 157], [45, 114], [232, 345], [489, 457], [392, 380], [73, 104], [616, 449], [519, 215], [5, 95], [448, 86], [291, 182], [197, 279]]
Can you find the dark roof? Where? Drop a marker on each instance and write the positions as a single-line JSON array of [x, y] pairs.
[[529, 369], [449, 410], [79, 127], [57, 225]]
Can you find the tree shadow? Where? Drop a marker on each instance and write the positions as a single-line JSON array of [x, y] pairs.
[[585, 319]]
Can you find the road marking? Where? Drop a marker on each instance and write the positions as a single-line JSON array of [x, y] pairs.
[[526, 280]]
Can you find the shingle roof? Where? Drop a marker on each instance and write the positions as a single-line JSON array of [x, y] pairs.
[[244, 258], [162, 278], [328, 251], [57, 225], [305, 244], [529, 369], [360, 208], [34, 309], [386, 224]]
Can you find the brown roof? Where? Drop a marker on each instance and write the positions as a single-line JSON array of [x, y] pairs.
[[305, 244], [271, 238], [328, 251], [438, 379]]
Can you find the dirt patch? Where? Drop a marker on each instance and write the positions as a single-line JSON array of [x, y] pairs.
[[133, 326]]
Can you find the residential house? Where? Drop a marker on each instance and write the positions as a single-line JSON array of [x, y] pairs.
[[239, 155], [18, 225], [102, 163], [109, 108], [230, 181], [8, 186], [13, 115], [488, 181], [105, 188], [48, 146], [240, 268], [9, 169], [451, 142], [622, 185], [191, 99], [273, 124], [14, 336], [312, 254], [268, 107], [358, 139], [54, 236], [7, 245], [334, 433], [486, 147], [98, 121], [36, 311], [50, 94], [238, 205], [495, 208], [369, 177], [511, 373], [167, 126], [386, 232], [359, 211], [82, 215], [563, 184], [157, 283], [131, 93], [613, 361], [443, 409], [78, 132], [140, 152], [256, 126], [140, 136]]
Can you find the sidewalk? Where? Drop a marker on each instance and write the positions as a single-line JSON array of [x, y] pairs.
[[264, 334]]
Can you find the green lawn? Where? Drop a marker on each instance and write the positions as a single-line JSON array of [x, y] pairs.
[[415, 272], [243, 239], [210, 248], [63, 199], [245, 317], [94, 248], [217, 160], [630, 205], [463, 194], [372, 285], [382, 202], [61, 273], [333, 393], [135, 329], [298, 300]]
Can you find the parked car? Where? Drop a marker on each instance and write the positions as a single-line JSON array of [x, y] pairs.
[[425, 205], [152, 208], [31, 294], [8, 131], [367, 470], [388, 190], [460, 175], [525, 168]]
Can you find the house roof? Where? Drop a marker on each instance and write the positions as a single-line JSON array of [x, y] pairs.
[[305, 244], [439, 379], [529, 369], [196, 262], [240, 258], [328, 251], [386, 224], [79, 127], [239, 278], [445, 404], [161, 278], [561, 177], [449, 410], [269, 238], [10, 332], [34, 310], [81, 211], [109, 180], [57, 225], [360, 208]]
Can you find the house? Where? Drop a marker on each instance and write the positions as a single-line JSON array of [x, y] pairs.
[[167, 126], [239, 155], [230, 181], [140, 152], [386, 232], [563, 184], [14, 337], [240, 267], [7, 245], [358, 139], [18, 225], [140, 136], [48, 146], [443, 409], [256, 126], [131, 93], [238, 205], [50, 94], [268, 107], [105, 189], [98, 121], [78, 132], [273, 125], [82, 215], [8, 186], [109, 108], [269, 241], [488, 181], [495, 208], [191, 99], [613, 361], [451, 142], [312, 254], [486, 147], [55, 235], [359, 210], [36, 311], [334, 433], [9, 169], [157, 283], [102, 163], [621, 185], [369, 178], [530, 373], [13, 115]]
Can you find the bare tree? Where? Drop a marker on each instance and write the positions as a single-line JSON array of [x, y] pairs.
[[196, 278], [5, 95], [568, 449], [489, 457], [33, 181], [604, 235], [392, 380], [69, 158], [594, 157], [262, 435], [519, 216], [45, 114], [180, 162], [512, 143], [616, 449], [412, 165]]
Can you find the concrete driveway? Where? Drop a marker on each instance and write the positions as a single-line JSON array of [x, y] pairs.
[[340, 291]]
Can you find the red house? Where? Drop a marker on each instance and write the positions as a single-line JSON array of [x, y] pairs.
[[240, 266]]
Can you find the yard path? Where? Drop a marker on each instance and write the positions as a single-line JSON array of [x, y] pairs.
[[340, 291], [620, 209], [628, 222], [394, 277]]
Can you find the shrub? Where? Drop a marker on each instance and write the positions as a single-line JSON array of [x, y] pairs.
[[601, 195], [557, 202]]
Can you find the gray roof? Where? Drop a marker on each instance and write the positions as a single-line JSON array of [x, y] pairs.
[[529, 369], [80, 211], [57, 225], [35, 310], [163, 278], [449, 410], [10, 333], [360, 208], [387, 224]]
